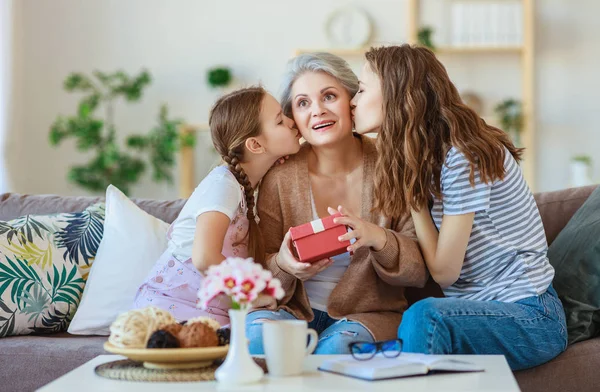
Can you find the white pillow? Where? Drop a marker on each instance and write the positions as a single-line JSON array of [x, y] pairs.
[[132, 243]]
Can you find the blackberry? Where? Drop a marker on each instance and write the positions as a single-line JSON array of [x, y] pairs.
[[223, 334], [162, 339]]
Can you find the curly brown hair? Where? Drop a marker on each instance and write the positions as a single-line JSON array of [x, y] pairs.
[[423, 117], [234, 118]]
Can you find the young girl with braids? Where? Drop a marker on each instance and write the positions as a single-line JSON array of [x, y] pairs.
[[476, 220], [251, 133]]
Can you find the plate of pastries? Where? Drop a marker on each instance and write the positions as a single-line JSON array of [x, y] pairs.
[[153, 336]]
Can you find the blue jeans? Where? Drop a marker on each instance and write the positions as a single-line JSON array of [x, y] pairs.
[[528, 332], [334, 335]]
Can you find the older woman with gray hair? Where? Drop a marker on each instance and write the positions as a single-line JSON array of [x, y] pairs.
[[359, 295]]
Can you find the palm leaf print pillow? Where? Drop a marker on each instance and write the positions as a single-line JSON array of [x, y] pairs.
[[44, 264]]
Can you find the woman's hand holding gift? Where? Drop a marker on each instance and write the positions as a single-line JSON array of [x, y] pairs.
[[288, 262], [367, 234]]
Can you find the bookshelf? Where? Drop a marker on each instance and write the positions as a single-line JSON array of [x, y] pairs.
[[526, 53]]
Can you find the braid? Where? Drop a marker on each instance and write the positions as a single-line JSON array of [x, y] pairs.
[[233, 119], [255, 243], [233, 162]]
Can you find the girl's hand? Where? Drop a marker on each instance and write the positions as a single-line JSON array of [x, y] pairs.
[[366, 233], [281, 160], [291, 265]]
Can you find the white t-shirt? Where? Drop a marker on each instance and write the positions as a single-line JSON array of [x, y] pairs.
[[319, 287], [219, 191]]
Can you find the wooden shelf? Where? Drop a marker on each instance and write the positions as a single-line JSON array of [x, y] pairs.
[[478, 49], [187, 180], [337, 51], [438, 50]]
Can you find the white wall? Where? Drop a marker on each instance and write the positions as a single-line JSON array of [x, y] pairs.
[[179, 40], [6, 40], [568, 88]]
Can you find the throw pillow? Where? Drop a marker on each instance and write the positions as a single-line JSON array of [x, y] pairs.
[[575, 255], [44, 263], [132, 243]]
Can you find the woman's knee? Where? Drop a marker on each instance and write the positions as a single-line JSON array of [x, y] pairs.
[[422, 313], [337, 338]]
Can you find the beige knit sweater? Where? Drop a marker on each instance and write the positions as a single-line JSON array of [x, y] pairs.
[[371, 291]]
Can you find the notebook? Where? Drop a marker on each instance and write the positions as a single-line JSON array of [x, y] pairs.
[[407, 364]]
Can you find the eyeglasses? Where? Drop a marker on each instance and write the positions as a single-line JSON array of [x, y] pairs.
[[367, 350]]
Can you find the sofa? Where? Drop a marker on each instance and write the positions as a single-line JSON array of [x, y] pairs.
[[29, 362]]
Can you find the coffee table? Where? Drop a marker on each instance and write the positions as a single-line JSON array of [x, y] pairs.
[[496, 377]]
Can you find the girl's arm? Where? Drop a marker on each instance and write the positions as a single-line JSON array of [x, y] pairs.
[[211, 228], [444, 253]]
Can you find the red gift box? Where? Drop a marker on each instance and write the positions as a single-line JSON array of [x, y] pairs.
[[318, 239]]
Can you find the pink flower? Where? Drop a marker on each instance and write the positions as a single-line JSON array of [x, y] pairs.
[[240, 279], [229, 282], [274, 289]]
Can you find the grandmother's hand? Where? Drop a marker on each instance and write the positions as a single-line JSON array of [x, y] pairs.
[[366, 233], [288, 262]]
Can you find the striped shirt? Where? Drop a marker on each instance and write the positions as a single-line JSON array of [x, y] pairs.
[[506, 258]]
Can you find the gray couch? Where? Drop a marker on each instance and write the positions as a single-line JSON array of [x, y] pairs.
[[29, 362]]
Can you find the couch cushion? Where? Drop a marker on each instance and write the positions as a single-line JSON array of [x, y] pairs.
[[133, 242], [13, 205], [29, 362], [44, 262], [574, 370], [575, 255], [558, 207]]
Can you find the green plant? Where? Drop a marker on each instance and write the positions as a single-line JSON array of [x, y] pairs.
[[510, 114], [424, 36], [586, 159], [218, 77], [111, 163]]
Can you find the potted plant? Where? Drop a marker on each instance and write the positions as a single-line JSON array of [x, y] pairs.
[[112, 163], [510, 113], [219, 77], [424, 37], [581, 168]]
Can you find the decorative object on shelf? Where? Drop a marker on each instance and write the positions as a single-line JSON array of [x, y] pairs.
[[581, 170], [348, 27], [219, 77], [510, 114], [473, 101], [424, 36], [487, 23], [111, 163], [243, 281]]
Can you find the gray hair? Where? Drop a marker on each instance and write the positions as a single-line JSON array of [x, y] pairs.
[[316, 62]]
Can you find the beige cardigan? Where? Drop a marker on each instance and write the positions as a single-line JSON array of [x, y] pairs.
[[371, 291]]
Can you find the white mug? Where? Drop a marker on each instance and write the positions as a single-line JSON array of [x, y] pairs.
[[285, 346]]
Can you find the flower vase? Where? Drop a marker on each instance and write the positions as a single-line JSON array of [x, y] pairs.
[[239, 367]]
